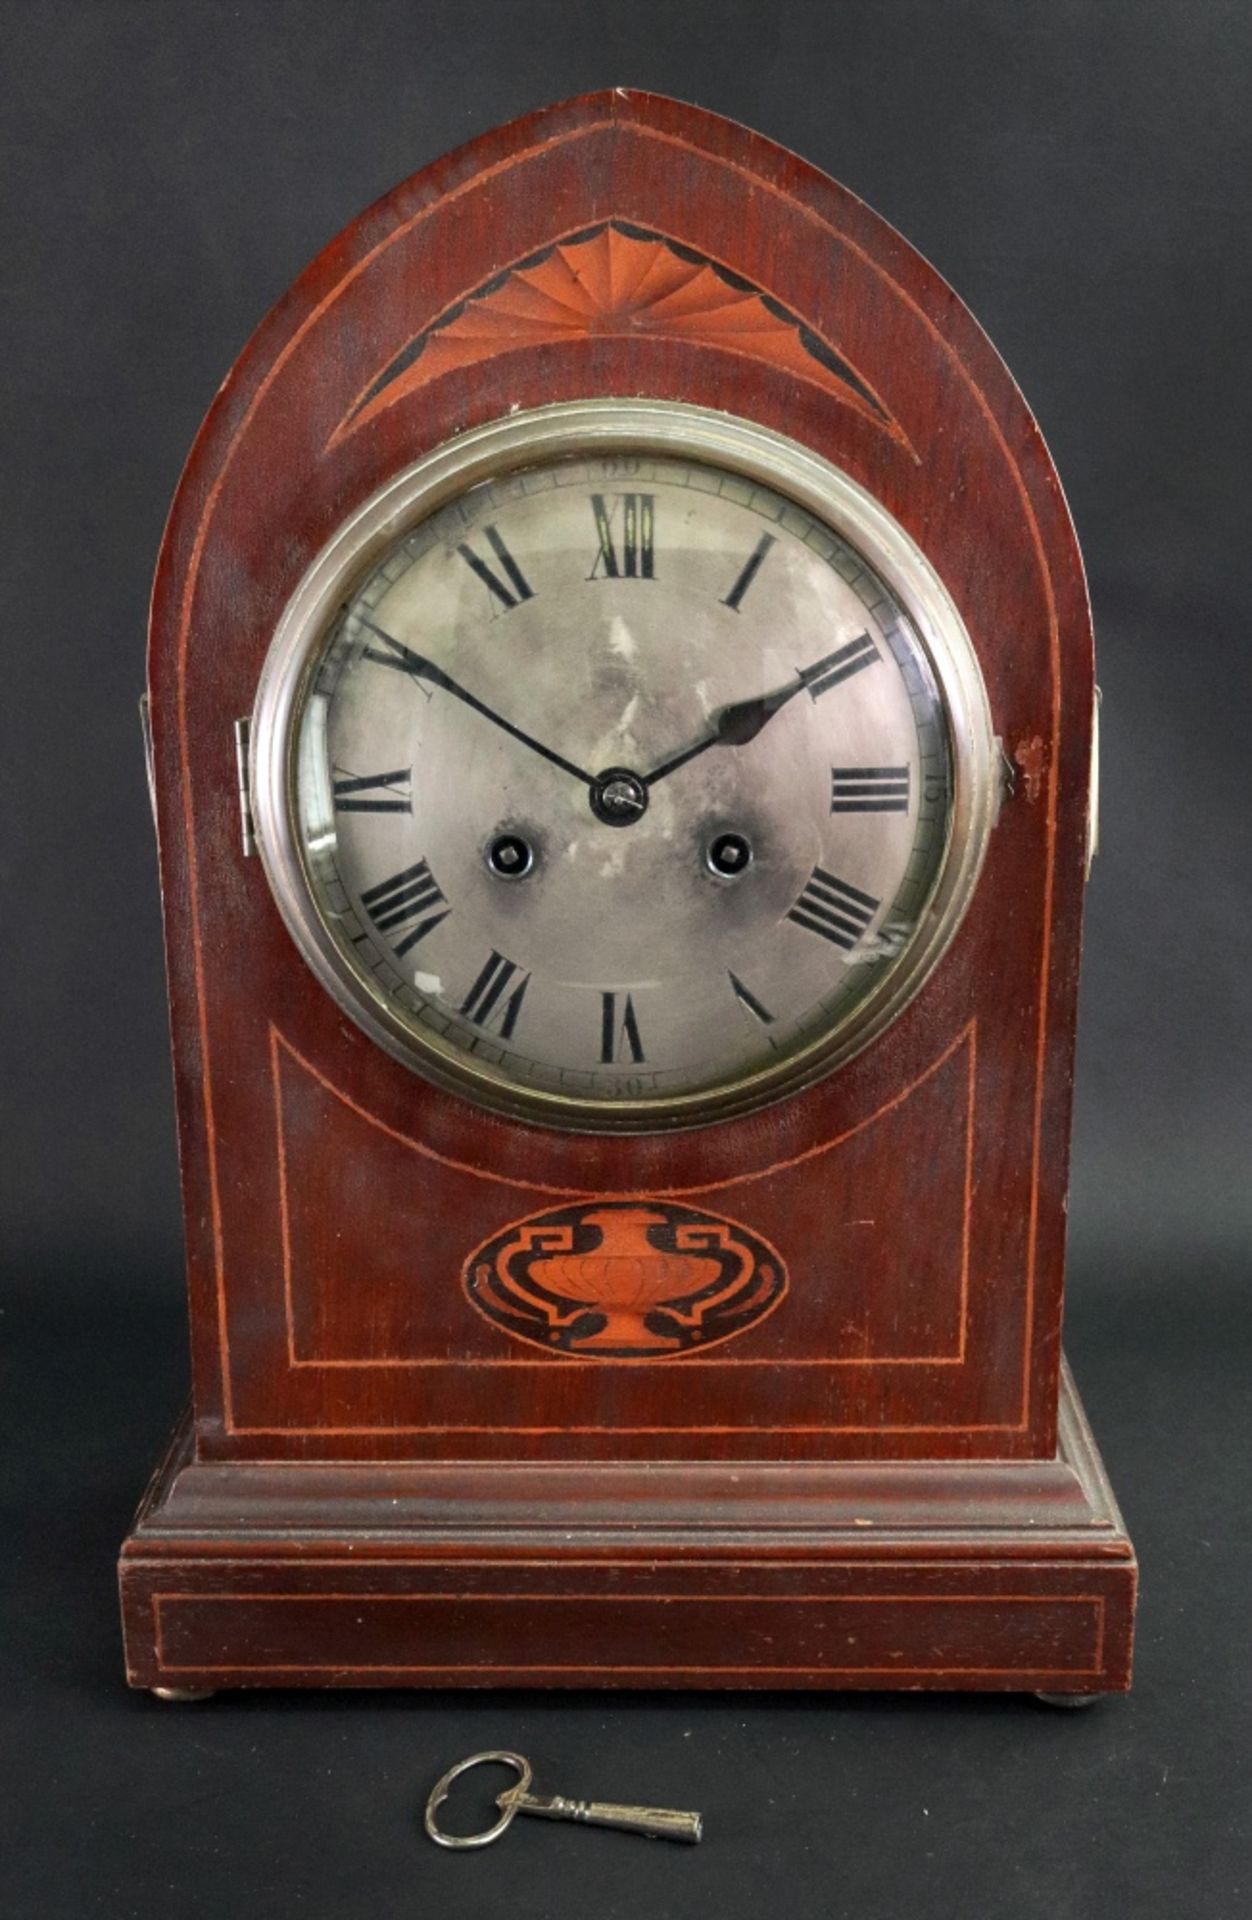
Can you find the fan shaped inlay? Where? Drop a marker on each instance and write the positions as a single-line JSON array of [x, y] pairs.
[[617, 279]]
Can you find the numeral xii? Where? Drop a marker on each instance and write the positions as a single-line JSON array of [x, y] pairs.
[[634, 559]]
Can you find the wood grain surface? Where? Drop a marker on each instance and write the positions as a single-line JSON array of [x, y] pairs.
[[623, 244]]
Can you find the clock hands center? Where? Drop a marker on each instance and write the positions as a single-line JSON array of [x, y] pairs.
[[421, 668], [619, 796], [739, 723]]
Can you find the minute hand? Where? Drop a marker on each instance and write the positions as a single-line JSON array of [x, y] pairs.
[[423, 669], [737, 724]]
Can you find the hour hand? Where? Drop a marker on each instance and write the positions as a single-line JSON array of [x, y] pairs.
[[736, 725], [416, 664]]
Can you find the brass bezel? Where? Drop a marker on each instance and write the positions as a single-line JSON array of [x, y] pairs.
[[585, 427]]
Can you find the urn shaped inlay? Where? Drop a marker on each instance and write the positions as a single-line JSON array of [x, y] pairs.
[[625, 1280]]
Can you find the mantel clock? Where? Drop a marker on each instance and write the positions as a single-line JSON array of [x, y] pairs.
[[621, 707]]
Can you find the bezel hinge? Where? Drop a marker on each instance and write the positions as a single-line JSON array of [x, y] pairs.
[[243, 766]]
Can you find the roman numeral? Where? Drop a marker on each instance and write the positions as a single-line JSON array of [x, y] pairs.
[[399, 658], [840, 665], [869, 790], [405, 902], [749, 1000], [834, 909], [518, 588], [751, 567], [496, 995], [619, 1032], [638, 518], [392, 792]]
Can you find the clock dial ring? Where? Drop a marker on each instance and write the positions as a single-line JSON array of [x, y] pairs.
[[507, 462]]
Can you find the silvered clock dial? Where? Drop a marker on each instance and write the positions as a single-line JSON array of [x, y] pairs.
[[622, 766]]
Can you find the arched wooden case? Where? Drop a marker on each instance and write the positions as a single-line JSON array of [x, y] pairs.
[[381, 1482]]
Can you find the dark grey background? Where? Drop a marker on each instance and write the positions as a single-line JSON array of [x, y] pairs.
[[1082, 174]]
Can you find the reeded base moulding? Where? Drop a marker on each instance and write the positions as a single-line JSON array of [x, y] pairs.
[[931, 1574]]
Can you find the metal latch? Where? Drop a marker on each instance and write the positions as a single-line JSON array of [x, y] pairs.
[[145, 727]]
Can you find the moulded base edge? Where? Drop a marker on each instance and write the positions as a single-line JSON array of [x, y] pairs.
[[940, 1574]]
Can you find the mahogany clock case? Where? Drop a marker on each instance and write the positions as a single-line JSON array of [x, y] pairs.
[[377, 1483]]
